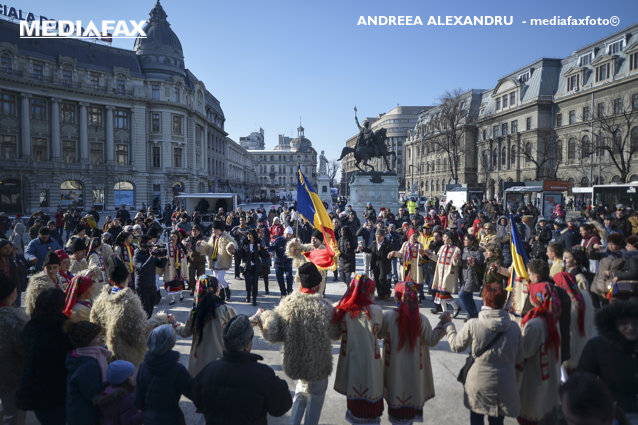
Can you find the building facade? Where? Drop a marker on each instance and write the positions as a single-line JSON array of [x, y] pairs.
[[397, 122], [242, 178], [254, 140], [84, 124]]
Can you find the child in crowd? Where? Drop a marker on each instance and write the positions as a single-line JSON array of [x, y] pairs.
[[116, 401]]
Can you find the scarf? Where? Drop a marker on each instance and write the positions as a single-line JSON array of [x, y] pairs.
[[78, 286], [127, 253], [356, 299], [100, 353], [204, 285], [411, 252], [408, 320], [567, 281], [174, 252], [546, 305], [214, 255]]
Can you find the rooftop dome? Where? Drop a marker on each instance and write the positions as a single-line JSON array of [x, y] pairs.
[[300, 143], [161, 51]]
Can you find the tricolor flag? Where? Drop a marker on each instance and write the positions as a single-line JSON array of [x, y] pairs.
[[312, 210], [519, 256]]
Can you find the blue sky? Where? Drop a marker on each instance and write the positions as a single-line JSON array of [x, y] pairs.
[[272, 62]]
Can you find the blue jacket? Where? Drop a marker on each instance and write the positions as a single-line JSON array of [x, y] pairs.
[[84, 383], [39, 250], [161, 381], [278, 246]]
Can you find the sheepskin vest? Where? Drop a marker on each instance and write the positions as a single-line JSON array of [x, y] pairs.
[[295, 250], [224, 253], [38, 283]]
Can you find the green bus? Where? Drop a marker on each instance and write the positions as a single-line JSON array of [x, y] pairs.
[[613, 194]]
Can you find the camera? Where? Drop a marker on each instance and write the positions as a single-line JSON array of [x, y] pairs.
[[158, 251]]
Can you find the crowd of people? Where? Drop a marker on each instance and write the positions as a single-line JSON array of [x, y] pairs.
[[88, 346]]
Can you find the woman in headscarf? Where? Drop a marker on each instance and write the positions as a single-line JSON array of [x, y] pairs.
[[358, 321], [96, 261], [205, 324], [20, 237], [79, 297], [540, 375], [407, 336], [64, 274], [581, 318], [161, 380], [124, 250]]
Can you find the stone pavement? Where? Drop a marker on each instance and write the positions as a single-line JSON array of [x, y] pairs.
[[445, 408]]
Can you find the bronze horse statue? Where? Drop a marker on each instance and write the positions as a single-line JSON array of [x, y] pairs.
[[375, 148]]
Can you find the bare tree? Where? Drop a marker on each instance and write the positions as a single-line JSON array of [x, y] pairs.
[[447, 128], [333, 168], [547, 158], [616, 133]]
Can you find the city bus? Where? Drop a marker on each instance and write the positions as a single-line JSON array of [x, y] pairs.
[[611, 195]]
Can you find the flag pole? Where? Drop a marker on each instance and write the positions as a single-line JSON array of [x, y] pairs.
[[297, 212]]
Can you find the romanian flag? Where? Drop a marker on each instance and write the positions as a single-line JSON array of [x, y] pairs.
[[312, 210], [519, 256]]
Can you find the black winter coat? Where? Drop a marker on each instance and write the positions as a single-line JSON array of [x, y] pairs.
[[630, 268], [347, 255], [379, 262], [145, 265], [161, 380], [239, 390], [43, 384], [251, 260]]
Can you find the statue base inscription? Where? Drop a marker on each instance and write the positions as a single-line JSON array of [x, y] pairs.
[[382, 190]]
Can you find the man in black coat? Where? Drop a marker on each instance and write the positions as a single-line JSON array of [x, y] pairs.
[[380, 263], [237, 389], [145, 263]]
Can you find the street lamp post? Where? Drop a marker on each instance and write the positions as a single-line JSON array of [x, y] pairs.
[[412, 176]]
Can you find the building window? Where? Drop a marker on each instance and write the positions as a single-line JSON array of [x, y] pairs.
[[514, 126], [528, 123], [572, 117], [155, 122], [96, 153], [572, 82], [586, 148], [634, 101], [120, 85], [559, 120], [513, 99], [504, 129], [8, 147], [586, 113], [484, 134], [528, 153], [38, 71], [95, 116], [69, 151], [585, 59], [571, 150], [123, 193], [177, 94], [67, 110], [615, 47], [177, 124], [8, 104], [121, 154], [495, 131], [633, 144], [67, 76], [38, 109], [155, 91], [94, 80], [633, 61], [618, 109], [601, 110], [504, 101], [6, 64], [71, 194], [498, 103], [503, 157], [40, 149], [603, 72], [513, 154], [121, 119], [156, 159], [559, 151], [523, 78], [177, 157]]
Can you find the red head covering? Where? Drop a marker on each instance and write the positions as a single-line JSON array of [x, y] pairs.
[[62, 255], [547, 306], [356, 299], [567, 281], [409, 319], [78, 286]]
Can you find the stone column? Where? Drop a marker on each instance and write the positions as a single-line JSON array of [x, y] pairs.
[[84, 133], [55, 128], [110, 145], [26, 126]]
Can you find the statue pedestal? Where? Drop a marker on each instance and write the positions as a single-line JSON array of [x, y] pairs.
[[323, 189], [382, 194]]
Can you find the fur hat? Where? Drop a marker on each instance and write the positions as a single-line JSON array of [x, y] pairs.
[[237, 333], [6, 286], [309, 275], [82, 333], [119, 371], [51, 258], [218, 225], [120, 272], [317, 234], [78, 245]]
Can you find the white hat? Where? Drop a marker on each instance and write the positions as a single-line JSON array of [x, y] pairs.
[[288, 230]]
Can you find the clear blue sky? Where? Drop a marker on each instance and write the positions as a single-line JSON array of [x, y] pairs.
[[272, 62]]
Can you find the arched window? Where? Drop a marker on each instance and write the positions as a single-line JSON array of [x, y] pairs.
[[633, 178], [616, 179], [486, 160], [600, 144], [586, 148], [513, 155], [6, 63], [503, 156], [634, 140], [123, 194], [528, 153], [495, 158], [71, 194], [571, 149], [584, 182], [559, 150], [618, 142]]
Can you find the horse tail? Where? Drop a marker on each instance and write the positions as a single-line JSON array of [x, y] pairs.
[[345, 152]]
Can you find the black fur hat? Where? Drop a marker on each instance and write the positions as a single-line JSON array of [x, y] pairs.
[[78, 244], [51, 258], [218, 225], [317, 234], [309, 275], [120, 272]]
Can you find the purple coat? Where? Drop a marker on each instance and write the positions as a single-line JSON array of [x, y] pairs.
[[116, 405]]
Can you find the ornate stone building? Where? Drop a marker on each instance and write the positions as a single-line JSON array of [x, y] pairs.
[[88, 124], [242, 178]]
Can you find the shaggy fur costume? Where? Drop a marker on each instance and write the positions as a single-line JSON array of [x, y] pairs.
[[37, 284], [12, 321], [224, 253], [295, 250], [303, 322], [124, 323]]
